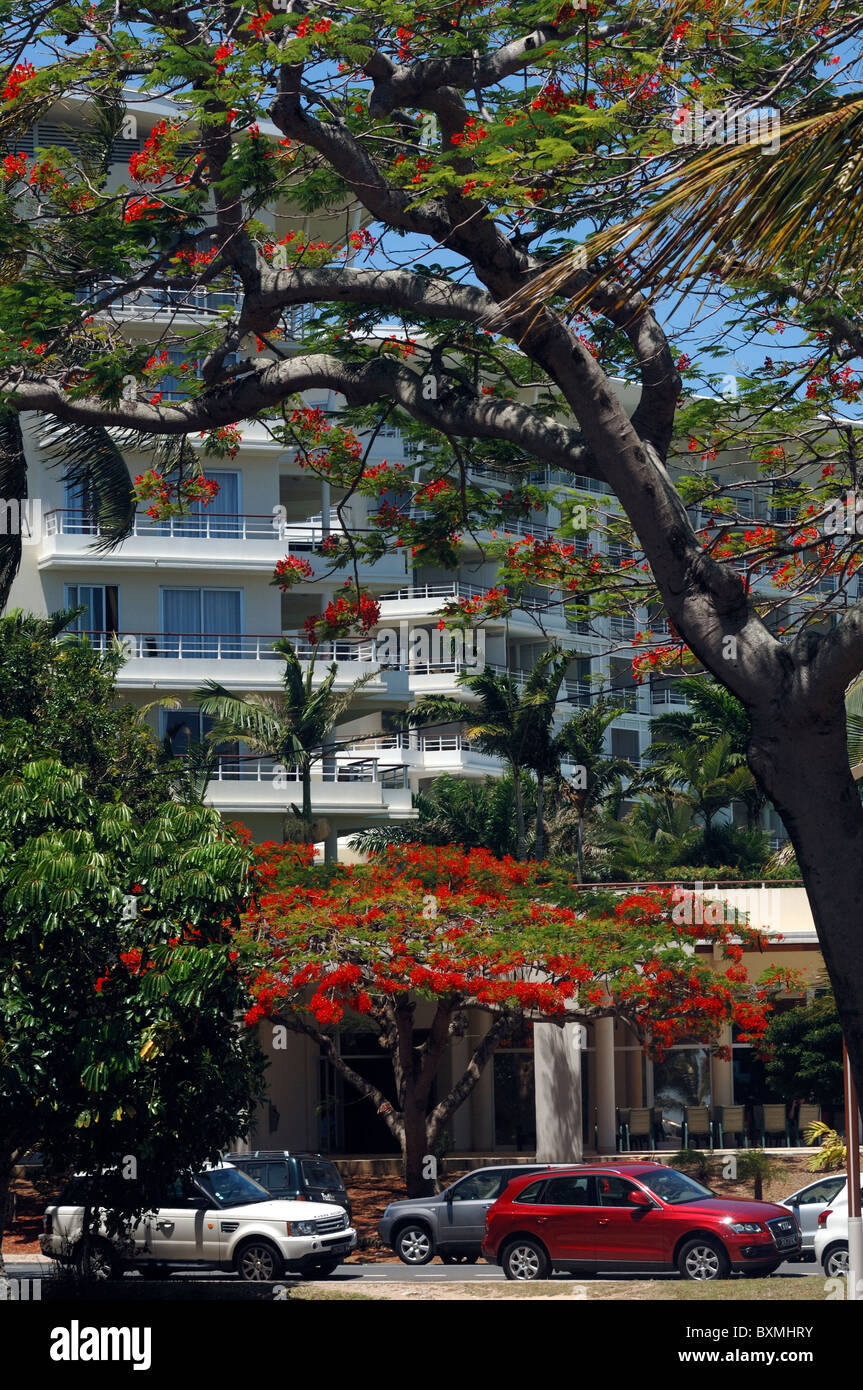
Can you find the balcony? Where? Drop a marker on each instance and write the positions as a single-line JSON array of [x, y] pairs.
[[349, 789], [421, 600], [664, 696], [183, 661], [241, 541]]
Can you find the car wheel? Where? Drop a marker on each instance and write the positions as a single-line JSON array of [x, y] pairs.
[[702, 1259], [525, 1259], [258, 1262], [459, 1259], [835, 1261], [101, 1262], [322, 1270], [414, 1245]]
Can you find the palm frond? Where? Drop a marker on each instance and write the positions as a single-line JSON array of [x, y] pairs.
[[739, 212], [91, 460]]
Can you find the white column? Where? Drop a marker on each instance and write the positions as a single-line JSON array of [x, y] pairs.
[[557, 1081], [605, 1099], [326, 501]]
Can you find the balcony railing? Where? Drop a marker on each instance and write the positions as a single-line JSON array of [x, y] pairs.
[[160, 303], [454, 589], [226, 646], [667, 697], [237, 767], [206, 526]]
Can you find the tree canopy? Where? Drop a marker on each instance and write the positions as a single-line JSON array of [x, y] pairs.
[[473, 157]]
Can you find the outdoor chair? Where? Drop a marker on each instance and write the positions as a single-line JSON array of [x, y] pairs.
[[731, 1119], [806, 1115], [774, 1121], [639, 1127], [696, 1120]]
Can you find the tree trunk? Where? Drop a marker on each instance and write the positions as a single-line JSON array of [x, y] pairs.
[[414, 1145], [539, 846], [580, 849], [6, 1166], [307, 794], [803, 767], [519, 813]]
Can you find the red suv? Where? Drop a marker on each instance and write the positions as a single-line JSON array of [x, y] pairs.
[[641, 1216]]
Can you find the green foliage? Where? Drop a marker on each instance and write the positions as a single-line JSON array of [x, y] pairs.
[[119, 989], [693, 1161], [832, 1151], [805, 1060]]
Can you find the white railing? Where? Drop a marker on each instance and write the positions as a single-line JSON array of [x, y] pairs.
[[159, 302], [455, 589], [622, 627], [237, 767], [205, 526], [226, 646], [667, 697]]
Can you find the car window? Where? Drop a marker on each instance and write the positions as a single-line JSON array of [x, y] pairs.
[[479, 1187], [318, 1173], [182, 1192], [276, 1179], [674, 1187], [575, 1190], [230, 1187], [530, 1194], [615, 1191], [823, 1191]]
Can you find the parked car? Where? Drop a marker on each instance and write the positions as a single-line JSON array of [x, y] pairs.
[[641, 1216], [300, 1177], [807, 1205], [830, 1245], [219, 1219], [450, 1223]]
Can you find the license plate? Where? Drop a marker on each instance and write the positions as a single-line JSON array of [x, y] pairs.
[[785, 1241]]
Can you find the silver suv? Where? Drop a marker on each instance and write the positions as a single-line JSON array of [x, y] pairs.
[[451, 1223]]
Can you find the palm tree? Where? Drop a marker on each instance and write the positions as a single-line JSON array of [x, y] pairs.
[[455, 810], [291, 728], [600, 776], [705, 779], [713, 713], [854, 725], [511, 721], [656, 833]]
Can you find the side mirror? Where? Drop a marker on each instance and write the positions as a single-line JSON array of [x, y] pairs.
[[639, 1198]]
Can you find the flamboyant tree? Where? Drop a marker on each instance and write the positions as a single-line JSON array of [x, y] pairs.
[[368, 946], [477, 143]]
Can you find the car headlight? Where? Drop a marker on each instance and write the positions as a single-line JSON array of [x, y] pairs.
[[301, 1228], [745, 1228]]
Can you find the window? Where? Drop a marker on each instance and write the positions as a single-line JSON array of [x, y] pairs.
[[819, 1192], [100, 603], [615, 1191], [220, 519], [577, 1190], [530, 1194], [479, 1187], [319, 1174], [197, 622]]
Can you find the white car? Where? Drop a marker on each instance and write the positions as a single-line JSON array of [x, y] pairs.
[[831, 1237], [807, 1205], [219, 1219]]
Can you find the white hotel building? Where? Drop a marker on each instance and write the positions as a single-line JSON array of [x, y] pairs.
[[192, 601]]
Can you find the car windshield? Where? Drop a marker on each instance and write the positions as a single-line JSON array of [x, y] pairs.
[[317, 1173], [231, 1188], [674, 1187]]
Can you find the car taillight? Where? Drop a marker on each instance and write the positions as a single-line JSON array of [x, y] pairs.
[[822, 1218]]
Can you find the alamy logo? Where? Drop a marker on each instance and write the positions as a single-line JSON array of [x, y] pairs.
[[21, 517], [692, 125], [77, 1343]]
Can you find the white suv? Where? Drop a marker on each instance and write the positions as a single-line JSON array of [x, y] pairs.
[[220, 1218]]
